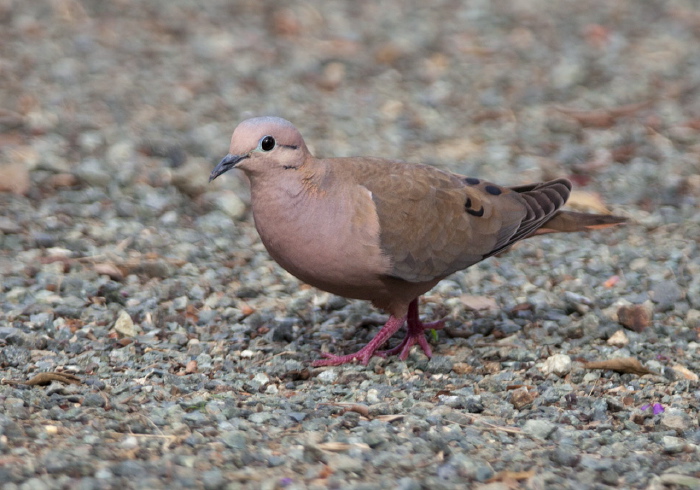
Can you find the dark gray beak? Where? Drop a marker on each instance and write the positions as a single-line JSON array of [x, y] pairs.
[[226, 164]]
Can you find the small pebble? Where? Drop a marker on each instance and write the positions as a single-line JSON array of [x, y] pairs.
[[125, 325], [673, 445], [558, 364], [619, 339], [540, 429]]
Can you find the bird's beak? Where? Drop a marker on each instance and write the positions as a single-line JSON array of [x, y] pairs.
[[226, 164]]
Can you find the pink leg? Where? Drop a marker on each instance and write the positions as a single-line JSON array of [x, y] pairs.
[[415, 334], [364, 354]]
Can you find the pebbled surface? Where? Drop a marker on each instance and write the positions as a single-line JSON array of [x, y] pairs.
[[112, 115]]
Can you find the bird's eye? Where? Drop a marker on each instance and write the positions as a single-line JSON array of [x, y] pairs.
[[267, 143]]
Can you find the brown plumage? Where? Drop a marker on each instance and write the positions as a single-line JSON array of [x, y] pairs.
[[382, 230]]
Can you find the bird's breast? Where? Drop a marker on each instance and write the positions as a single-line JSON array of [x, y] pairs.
[[328, 241]]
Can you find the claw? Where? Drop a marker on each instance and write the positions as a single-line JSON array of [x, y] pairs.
[[415, 335]]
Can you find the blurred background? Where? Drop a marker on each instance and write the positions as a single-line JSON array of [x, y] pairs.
[[606, 93]]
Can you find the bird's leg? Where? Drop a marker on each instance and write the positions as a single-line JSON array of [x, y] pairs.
[[364, 354], [415, 334]]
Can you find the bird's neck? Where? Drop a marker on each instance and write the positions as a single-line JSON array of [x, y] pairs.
[[288, 194], [306, 181]]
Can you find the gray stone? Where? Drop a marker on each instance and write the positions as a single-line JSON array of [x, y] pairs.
[[673, 419], [9, 226], [672, 445], [407, 483], [541, 429], [665, 294], [346, 463], [565, 456], [235, 439], [94, 400], [374, 439], [93, 172], [297, 416], [260, 417], [213, 479], [130, 469]]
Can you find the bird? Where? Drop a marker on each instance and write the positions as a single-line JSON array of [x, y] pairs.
[[382, 230]]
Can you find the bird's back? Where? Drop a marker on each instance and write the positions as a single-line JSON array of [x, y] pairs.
[[433, 223]]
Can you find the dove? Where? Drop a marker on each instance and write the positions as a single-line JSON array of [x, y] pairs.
[[382, 230]]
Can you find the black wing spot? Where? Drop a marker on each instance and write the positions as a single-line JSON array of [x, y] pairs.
[[473, 212], [493, 190], [472, 180]]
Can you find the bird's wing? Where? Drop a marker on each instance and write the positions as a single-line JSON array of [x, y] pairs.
[[433, 223]]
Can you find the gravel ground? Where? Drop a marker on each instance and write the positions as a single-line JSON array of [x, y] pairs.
[[148, 341]]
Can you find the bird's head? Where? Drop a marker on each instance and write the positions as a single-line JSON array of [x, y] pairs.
[[261, 145]]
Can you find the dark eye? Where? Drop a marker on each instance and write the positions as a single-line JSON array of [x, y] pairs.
[[267, 143]]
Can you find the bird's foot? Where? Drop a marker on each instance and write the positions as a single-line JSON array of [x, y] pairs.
[[366, 353], [415, 335], [363, 355]]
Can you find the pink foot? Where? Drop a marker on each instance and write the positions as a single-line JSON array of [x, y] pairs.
[[364, 354], [415, 334]]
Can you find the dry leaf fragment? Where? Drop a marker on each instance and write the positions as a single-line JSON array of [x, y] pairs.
[[518, 386], [491, 367], [620, 365], [522, 397], [511, 475], [191, 367], [43, 379], [389, 418], [522, 307], [334, 446], [587, 201], [611, 281], [325, 472], [350, 407], [462, 368], [602, 118], [476, 303], [61, 180], [489, 426], [298, 375], [192, 313], [109, 269], [684, 372], [15, 178], [624, 153], [246, 310]]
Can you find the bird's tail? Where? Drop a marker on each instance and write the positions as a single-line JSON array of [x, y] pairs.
[[570, 221]]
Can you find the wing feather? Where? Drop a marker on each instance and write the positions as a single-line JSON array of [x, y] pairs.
[[433, 223]]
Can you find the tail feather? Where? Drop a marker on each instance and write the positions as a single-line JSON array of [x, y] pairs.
[[570, 221]]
